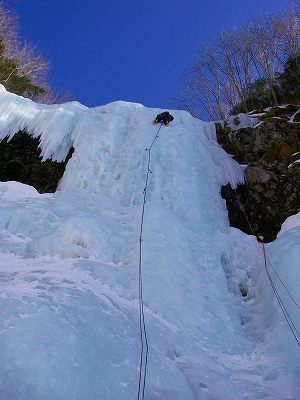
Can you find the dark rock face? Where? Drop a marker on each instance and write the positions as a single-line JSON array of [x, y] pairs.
[[271, 151], [20, 161]]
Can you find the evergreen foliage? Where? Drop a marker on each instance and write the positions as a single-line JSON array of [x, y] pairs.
[[289, 81], [14, 80], [286, 86], [259, 97]]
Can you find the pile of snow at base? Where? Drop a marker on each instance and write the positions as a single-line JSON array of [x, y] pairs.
[[69, 326]]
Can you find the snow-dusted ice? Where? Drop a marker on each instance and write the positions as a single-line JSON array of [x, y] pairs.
[[69, 326]]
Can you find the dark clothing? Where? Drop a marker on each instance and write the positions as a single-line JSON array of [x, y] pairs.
[[164, 117]]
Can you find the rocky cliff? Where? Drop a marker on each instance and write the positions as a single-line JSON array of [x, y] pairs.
[[269, 147]]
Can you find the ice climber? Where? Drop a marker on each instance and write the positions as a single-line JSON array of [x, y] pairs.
[[166, 117]]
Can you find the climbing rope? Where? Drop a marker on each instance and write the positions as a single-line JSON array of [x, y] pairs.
[[288, 318], [262, 247], [143, 332]]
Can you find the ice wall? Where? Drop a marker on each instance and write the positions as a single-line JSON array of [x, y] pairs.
[[69, 325]]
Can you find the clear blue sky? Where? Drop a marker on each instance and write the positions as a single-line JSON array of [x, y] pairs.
[[132, 50]]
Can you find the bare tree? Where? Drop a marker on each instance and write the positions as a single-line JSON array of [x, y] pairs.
[[225, 71], [26, 59], [287, 27], [211, 81], [287, 31], [265, 50], [8, 27], [297, 7], [205, 86], [236, 63], [219, 77]]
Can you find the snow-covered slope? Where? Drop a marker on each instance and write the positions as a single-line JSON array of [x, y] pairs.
[[69, 326]]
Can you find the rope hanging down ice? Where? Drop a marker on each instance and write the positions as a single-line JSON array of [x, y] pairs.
[[289, 320], [143, 332]]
